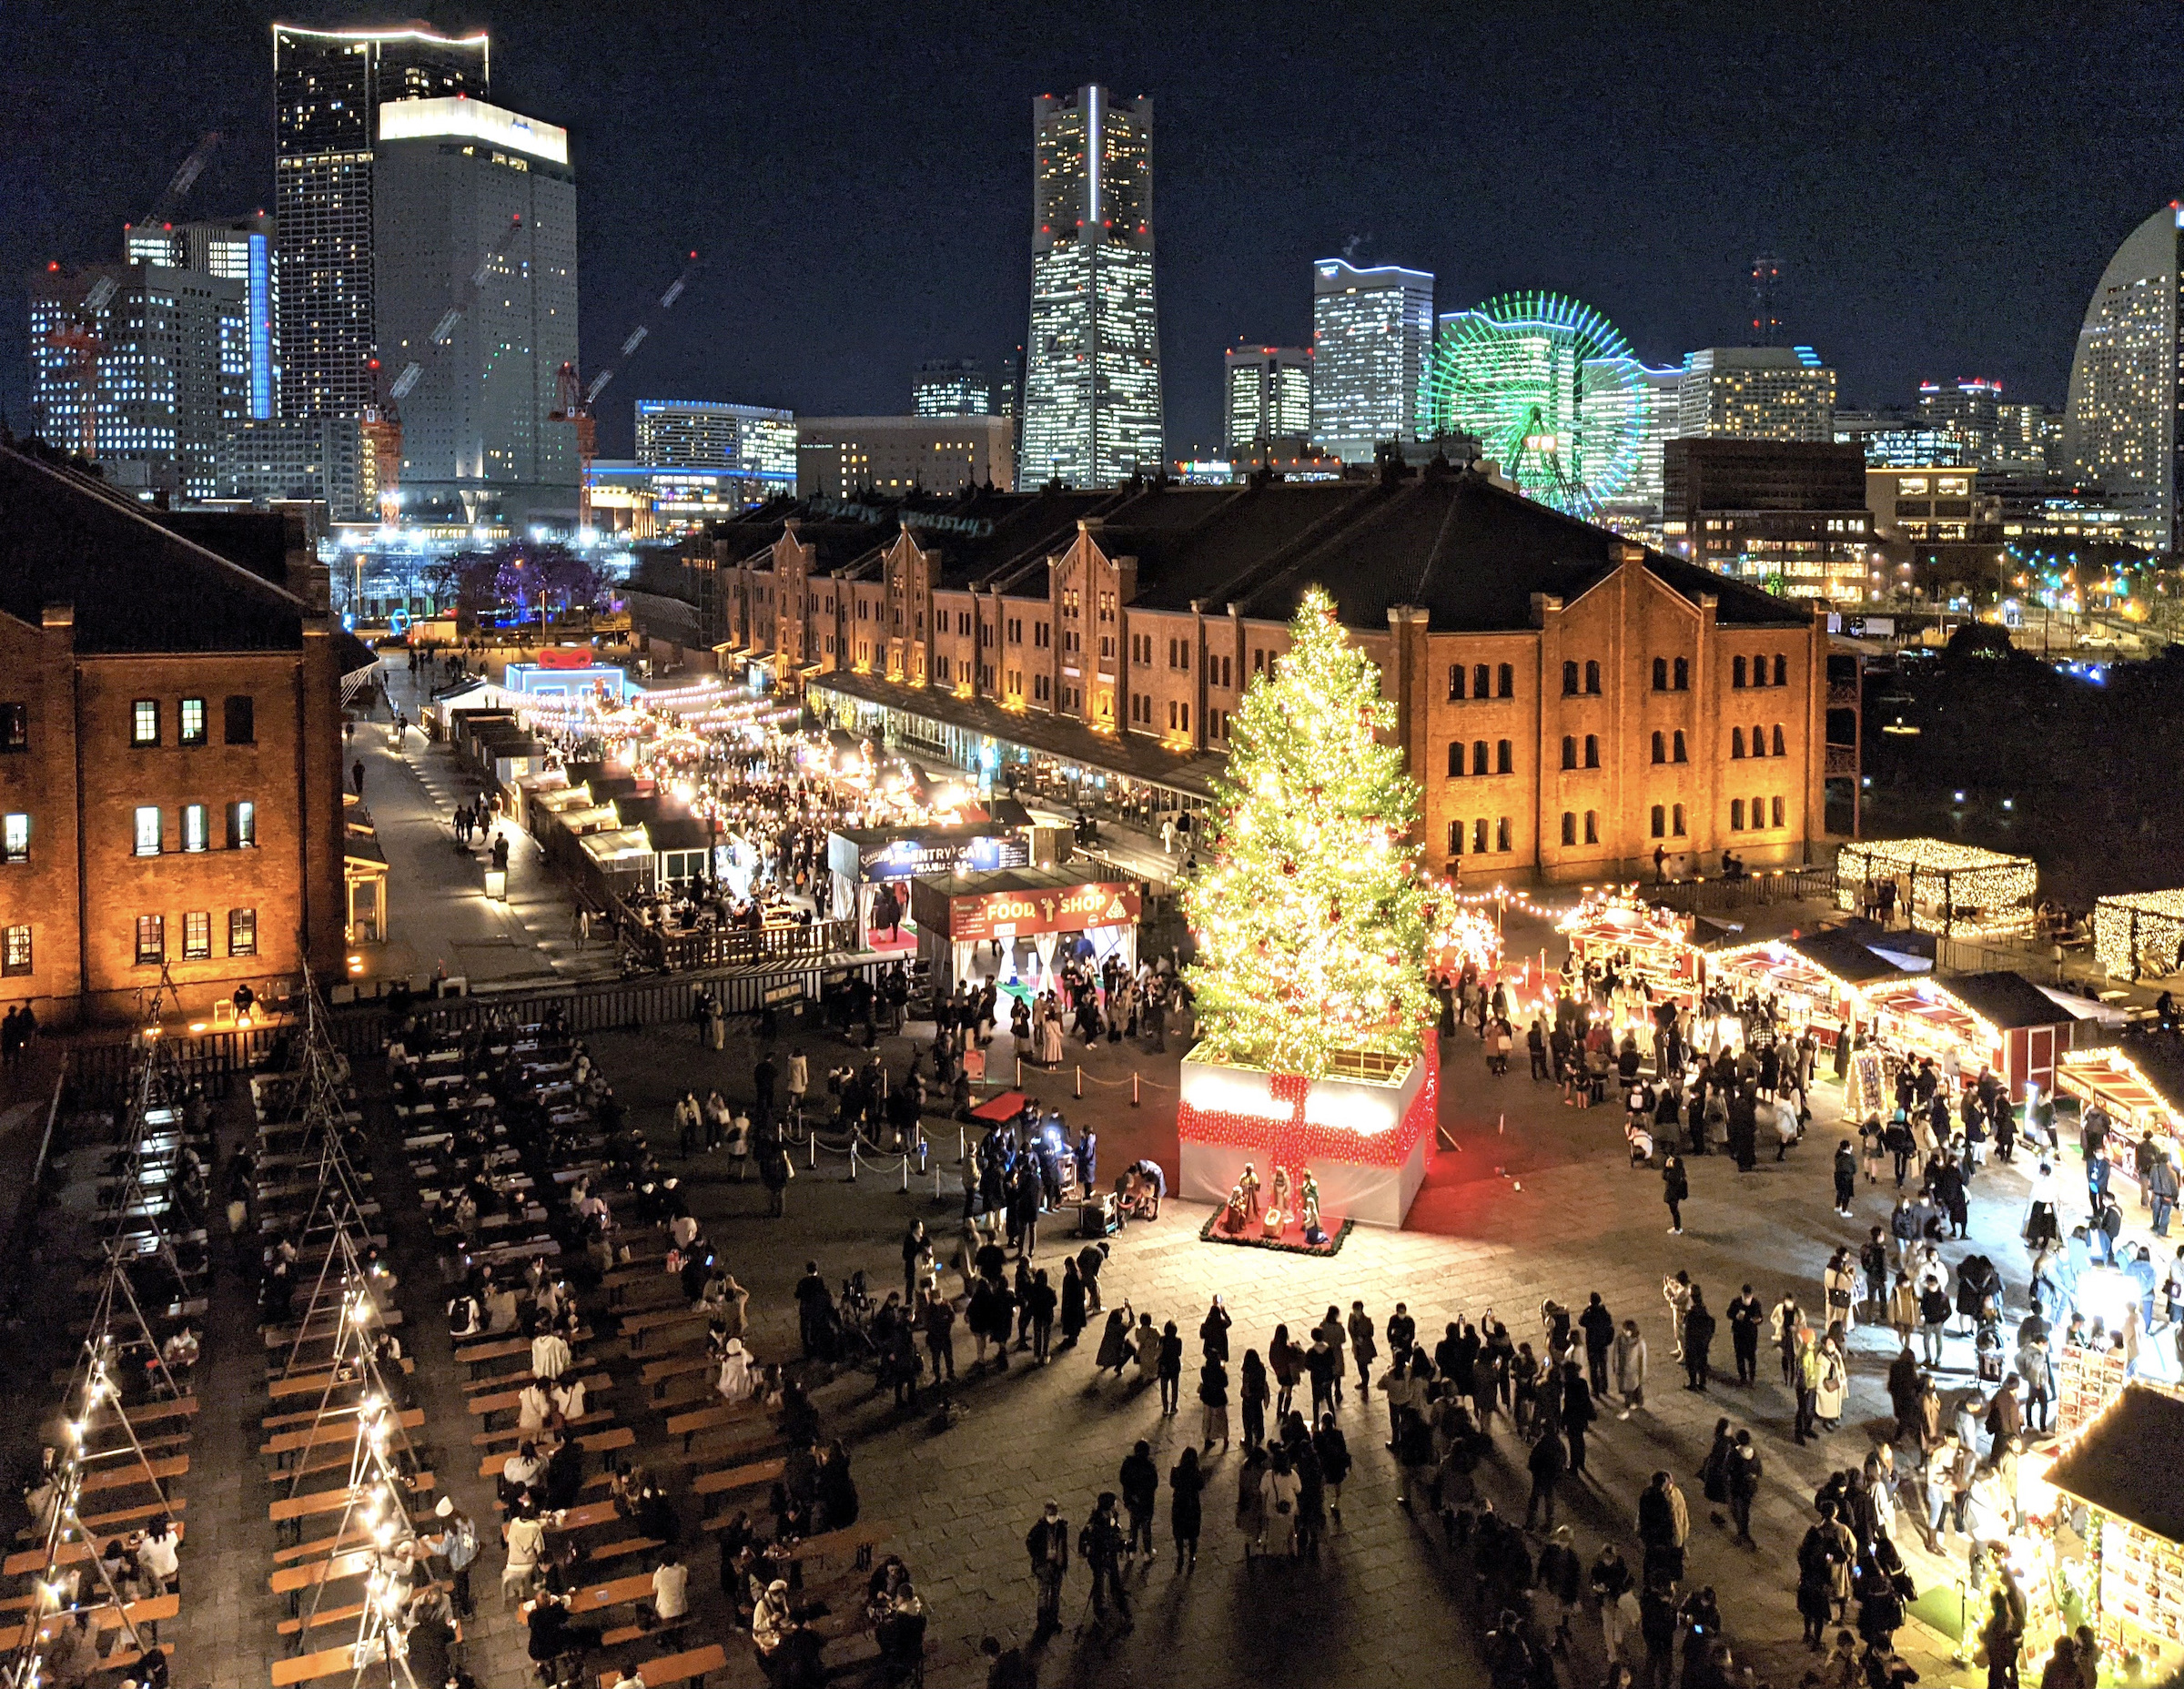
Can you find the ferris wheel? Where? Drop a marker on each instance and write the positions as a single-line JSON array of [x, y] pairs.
[[1551, 391]]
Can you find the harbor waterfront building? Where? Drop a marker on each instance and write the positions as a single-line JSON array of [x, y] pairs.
[[1568, 701], [2119, 423]]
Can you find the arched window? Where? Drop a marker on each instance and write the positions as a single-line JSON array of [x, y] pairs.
[[1736, 814], [1479, 836], [1660, 673], [1505, 681], [1569, 752], [1660, 746], [1759, 814], [1736, 743], [1592, 826], [1681, 755], [1569, 679], [1676, 820], [1455, 838], [1455, 758], [1505, 757], [1455, 682], [1778, 750], [1683, 673], [1660, 822], [1477, 756], [1782, 670], [1592, 677], [1569, 827], [1501, 834], [1774, 804], [1736, 672], [1592, 750]]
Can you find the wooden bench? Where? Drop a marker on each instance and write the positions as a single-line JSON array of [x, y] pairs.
[[614, 1592], [339, 1428], [105, 1618], [303, 1668], [720, 1416], [637, 1328], [321, 1326], [692, 1666], [291, 1508], [349, 1563], [332, 1615], [507, 1439], [501, 1401], [135, 1473], [656, 1374], [591, 1442], [725, 1481], [315, 1383], [623, 1634], [124, 1518], [66, 1553]]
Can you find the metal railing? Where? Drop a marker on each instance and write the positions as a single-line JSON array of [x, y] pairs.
[[741, 946], [1756, 888]]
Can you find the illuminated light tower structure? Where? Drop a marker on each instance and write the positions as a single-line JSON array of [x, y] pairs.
[[1314, 1012], [1551, 391]]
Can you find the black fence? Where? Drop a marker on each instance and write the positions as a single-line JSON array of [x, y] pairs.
[[100, 1068], [1755, 889], [741, 946]]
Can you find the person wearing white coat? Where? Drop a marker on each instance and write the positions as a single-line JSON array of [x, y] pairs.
[[1629, 1365], [735, 1382]]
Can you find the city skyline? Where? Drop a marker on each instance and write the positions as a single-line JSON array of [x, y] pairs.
[[1655, 224]]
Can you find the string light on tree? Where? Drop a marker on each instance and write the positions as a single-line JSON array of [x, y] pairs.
[[1310, 917]]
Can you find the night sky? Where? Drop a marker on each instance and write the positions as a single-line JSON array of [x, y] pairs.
[[1943, 182]]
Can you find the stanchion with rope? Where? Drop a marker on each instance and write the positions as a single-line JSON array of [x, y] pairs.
[[1135, 1098], [1080, 1081], [853, 1158]]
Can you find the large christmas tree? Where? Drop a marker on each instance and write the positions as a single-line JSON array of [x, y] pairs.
[[1311, 917]]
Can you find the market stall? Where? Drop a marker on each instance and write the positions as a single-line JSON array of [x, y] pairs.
[[2139, 1083], [1938, 885], [2120, 1528], [1916, 1016], [2035, 1031], [1613, 931], [862, 860], [2138, 935], [1810, 982], [1019, 926]]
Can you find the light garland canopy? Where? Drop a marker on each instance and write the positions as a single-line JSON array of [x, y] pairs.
[[1949, 889], [1311, 918]]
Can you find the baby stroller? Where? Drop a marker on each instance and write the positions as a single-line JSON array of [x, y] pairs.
[[1987, 1340]]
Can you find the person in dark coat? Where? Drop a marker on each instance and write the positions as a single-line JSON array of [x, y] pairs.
[[1185, 1486], [1578, 1412], [1074, 1302], [1675, 1190], [1698, 1341]]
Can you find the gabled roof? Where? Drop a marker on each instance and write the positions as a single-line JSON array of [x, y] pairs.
[[136, 586], [1843, 955], [2007, 1000], [2122, 1465]]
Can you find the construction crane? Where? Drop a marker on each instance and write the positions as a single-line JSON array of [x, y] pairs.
[[572, 401], [381, 423]]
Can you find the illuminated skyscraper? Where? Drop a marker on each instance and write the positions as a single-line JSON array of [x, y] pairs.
[[1266, 394], [1372, 331], [465, 189], [951, 386], [329, 87], [1757, 392], [1092, 413], [235, 250], [1970, 412], [2120, 424]]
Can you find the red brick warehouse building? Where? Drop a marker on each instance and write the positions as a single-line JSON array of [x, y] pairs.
[[1570, 701], [170, 757]]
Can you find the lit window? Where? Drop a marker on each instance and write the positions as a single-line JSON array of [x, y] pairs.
[[147, 830], [194, 829], [151, 940], [14, 951], [242, 825], [196, 935], [144, 722], [190, 722], [14, 839]]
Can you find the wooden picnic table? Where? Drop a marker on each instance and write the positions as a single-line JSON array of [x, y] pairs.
[[752, 1475], [330, 1432], [138, 1471], [312, 1383], [636, 1327], [291, 1508], [591, 1442], [66, 1553], [692, 1665], [105, 1617]]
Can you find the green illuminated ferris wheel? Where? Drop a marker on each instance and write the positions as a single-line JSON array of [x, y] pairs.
[[1551, 391]]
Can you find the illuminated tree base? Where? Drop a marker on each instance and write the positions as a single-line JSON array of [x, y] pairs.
[[1364, 1140]]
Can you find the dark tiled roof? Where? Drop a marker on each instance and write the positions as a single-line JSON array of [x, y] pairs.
[[1050, 735], [136, 586], [2122, 1465], [2007, 1000], [1843, 955]]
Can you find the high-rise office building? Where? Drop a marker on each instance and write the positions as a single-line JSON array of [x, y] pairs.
[[1266, 394], [2031, 438], [235, 250], [2120, 424], [456, 182], [282, 457], [328, 87], [1970, 412], [142, 368], [1757, 392], [951, 386], [841, 457], [1372, 331], [1092, 412], [752, 441]]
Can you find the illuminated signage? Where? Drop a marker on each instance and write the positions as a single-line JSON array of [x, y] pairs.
[[475, 120], [1064, 909]]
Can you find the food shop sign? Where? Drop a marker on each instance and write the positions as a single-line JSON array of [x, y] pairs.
[[1104, 903]]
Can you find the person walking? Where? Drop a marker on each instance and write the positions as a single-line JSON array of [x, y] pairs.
[[1213, 1393], [1363, 1347], [1745, 1316], [1675, 1190], [1546, 1462], [1140, 1481], [1333, 1449], [1047, 1545], [1101, 1542]]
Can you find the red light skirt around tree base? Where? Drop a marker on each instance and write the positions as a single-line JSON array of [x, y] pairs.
[[1364, 1142]]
